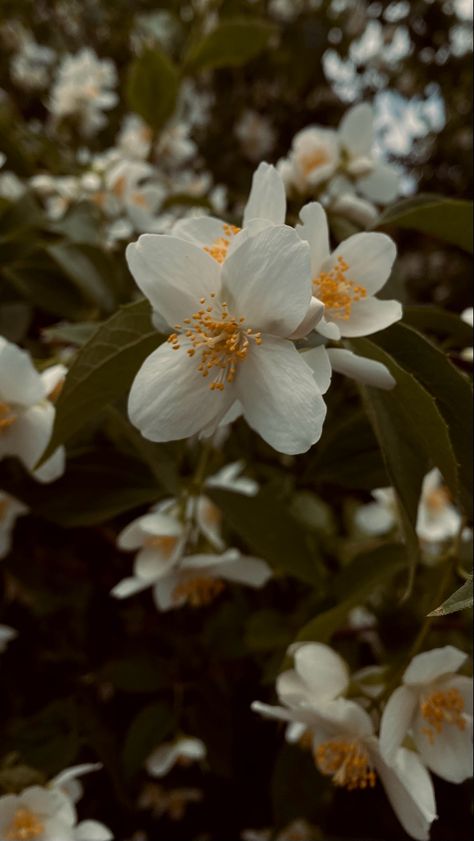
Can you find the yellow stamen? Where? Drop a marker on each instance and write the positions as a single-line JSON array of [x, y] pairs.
[[139, 200], [198, 591], [7, 416], [346, 762], [54, 394], [313, 160], [165, 543], [219, 337], [119, 187], [437, 499], [440, 708], [24, 826], [337, 292], [219, 248]]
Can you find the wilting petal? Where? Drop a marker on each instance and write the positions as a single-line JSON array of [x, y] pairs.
[[173, 274], [433, 665], [356, 130], [370, 258], [369, 316], [170, 399], [280, 397], [366, 371], [267, 198], [267, 280], [314, 229], [396, 721]]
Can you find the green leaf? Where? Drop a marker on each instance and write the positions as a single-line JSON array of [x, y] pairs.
[[48, 740], [152, 87], [365, 574], [138, 674], [233, 43], [452, 392], [269, 529], [71, 334], [90, 269], [38, 279], [446, 325], [459, 600], [148, 729], [103, 369], [448, 219]]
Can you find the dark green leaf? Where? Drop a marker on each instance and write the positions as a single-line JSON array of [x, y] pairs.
[[232, 43], [151, 726], [152, 87], [38, 279], [441, 323], [90, 269], [448, 219], [137, 674]]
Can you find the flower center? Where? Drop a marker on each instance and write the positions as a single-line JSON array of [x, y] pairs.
[[24, 826], [219, 338], [336, 292], [313, 160], [7, 416], [198, 591], [445, 706], [165, 543], [346, 762], [139, 200], [437, 500], [219, 248]]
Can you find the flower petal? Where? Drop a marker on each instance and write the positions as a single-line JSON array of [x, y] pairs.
[[200, 230], [250, 571], [370, 258], [20, 383], [173, 274], [161, 760], [375, 518], [322, 670], [129, 587], [314, 229], [381, 185], [433, 665], [280, 397], [361, 369], [267, 280], [154, 523], [396, 721], [448, 753], [29, 435], [92, 831], [170, 399], [310, 321], [267, 199], [318, 360], [151, 563], [356, 130], [410, 791], [369, 316]]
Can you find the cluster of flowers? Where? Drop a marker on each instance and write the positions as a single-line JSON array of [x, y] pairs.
[[424, 725], [48, 813]]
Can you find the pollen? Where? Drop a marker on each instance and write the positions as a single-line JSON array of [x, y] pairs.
[[443, 707], [7, 416], [198, 591], [164, 543], [219, 248], [139, 200], [337, 292], [313, 160], [24, 826], [437, 499], [219, 340], [346, 762]]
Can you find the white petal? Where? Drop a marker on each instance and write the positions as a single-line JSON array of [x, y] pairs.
[[366, 371], [154, 523], [200, 230], [161, 761], [433, 665], [75, 771], [250, 571], [464, 686], [191, 748], [410, 791], [356, 130], [170, 399], [52, 377], [164, 590], [343, 717], [92, 831], [53, 468], [310, 321], [280, 397], [449, 753], [314, 229], [291, 689], [370, 258], [28, 437], [267, 199], [173, 274], [209, 520], [375, 518], [396, 721], [19, 381], [381, 185], [369, 316], [229, 477], [328, 329], [324, 672], [318, 360], [151, 563], [267, 280], [129, 587]]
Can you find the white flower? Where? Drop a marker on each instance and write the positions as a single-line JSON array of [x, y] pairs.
[[347, 280], [468, 317], [183, 751], [66, 781], [256, 135], [7, 634], [375, 180], [313, 159], [26, 413], [128, 191], [134, 139], [83, 89], [10, 509], [437, 519], [198, 579], [229, 344], [266, 203], [37, 813], [30, 67], [434, 706], [208, 515]]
